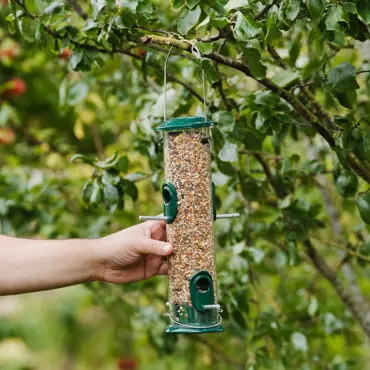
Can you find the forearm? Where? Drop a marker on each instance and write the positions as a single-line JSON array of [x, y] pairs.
[[34, 265]]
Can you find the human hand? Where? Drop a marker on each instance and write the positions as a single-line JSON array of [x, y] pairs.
[[136, 253]]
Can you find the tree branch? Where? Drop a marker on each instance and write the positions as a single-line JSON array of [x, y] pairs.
[[284, 94], [310, 98], [352, 301], [243, 67]]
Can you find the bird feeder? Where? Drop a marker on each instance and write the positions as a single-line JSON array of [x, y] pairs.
[[189, 211]]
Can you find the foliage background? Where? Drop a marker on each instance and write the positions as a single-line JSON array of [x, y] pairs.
[[288, 86]]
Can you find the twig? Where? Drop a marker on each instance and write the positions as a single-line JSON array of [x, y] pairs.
[[310, 98], [218, 351], [77, 7], [97, 140], [265, 10], [220, 35], [270, 177], [364, 71], [338, 246]]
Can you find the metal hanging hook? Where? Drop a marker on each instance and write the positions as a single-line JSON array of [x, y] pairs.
[[198, 54]]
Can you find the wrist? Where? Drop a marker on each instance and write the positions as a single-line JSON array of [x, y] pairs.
[[97, 258]]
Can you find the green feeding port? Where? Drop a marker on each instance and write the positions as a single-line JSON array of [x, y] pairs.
[[169, 195], [184, 123], [197, 318]]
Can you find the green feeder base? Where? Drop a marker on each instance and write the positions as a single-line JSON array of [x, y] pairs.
[[174, 329]]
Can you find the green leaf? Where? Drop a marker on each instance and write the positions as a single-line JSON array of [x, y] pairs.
[[347, 100], [188, 19], [258, 69], [10, 18], [145, 10], [299, 341], [111, 177], [177, 4], [136, 176], [225, 167], [96, 194], [27, 28], [273, 32], [84, 158], [32, 6], [54, 7], [219, 22], [363, 8], [76, 58], [342, 78], [210, 70], [111, 196], [225, 120], [205, 47], [77, 93], [204, 23], [285, 78], [128, 7], [122, 164], [253, 140], [130, 188], [313, 306], [350, 7], [39, 34], [331, 323], [292, 9], [98, 6], [348, 140], [316, 9], [191, 3], [109, 162], [249, 187], [239, 319], [295, 50], [293, 254], [3, 207], [229, 152], [235, 4], [335, 16], [246, 28], [346, 184], [363, 205], [87, 191]]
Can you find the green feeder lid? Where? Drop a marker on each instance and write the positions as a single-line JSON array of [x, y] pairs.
[[184, 123]]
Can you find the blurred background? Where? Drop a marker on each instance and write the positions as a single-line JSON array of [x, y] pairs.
[[278, 312]]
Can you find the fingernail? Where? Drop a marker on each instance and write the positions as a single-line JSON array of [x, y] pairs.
[[166, 248]]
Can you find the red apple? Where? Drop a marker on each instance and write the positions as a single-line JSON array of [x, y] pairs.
[[126, 364], [15, 87], [65, 54], [7, 53], [142, 52], [7, 136]]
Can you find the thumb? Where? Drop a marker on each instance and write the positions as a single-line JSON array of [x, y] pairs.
[[151, 246]]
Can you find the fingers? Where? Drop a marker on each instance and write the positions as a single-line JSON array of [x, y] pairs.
[[163, 270], [146, 246], [157, 230]]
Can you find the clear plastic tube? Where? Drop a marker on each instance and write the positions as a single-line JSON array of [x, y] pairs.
[[188, 168]]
